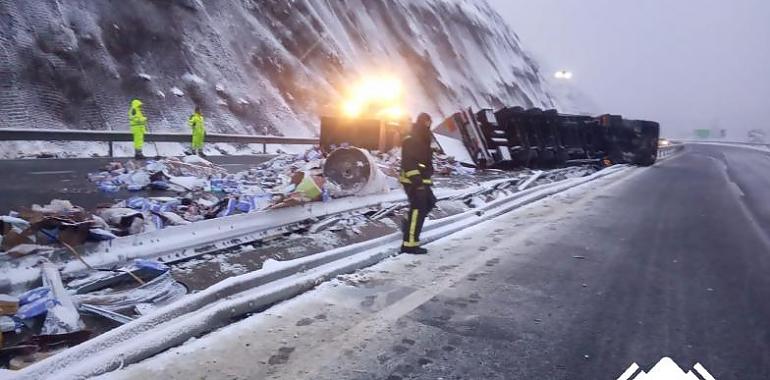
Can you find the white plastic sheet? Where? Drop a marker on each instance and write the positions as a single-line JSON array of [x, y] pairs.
[[63, 317]]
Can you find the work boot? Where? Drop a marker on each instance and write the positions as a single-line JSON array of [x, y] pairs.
[[414, 250], [200, 153], [138, 155]]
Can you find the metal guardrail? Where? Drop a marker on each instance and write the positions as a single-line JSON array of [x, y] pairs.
[[122, 136], [719, 142], [248, 293], [668, 150]]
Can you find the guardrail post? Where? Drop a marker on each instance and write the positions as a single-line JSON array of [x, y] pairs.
[[109, 148], [264, 148]]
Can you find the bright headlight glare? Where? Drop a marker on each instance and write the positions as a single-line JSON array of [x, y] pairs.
[[376, 95]]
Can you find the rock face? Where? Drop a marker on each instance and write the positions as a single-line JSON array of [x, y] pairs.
[[254, 66]]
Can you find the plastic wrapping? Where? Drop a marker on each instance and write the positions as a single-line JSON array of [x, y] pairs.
[[62, 316], [35, 302], [10, 324], [162, 290]]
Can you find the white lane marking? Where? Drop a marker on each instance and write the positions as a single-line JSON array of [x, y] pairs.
[[702, 372], [53, 172], [630, 371]]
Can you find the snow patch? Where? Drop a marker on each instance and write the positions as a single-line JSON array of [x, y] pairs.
[[192, 78]]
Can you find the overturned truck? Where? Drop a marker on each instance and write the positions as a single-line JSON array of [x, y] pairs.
[[511, 138], [514, 137]]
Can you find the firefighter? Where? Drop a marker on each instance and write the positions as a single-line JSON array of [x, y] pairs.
[[198, 131], [138, 127], [416, 172]]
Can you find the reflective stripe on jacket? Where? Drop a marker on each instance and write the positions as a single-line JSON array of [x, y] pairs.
[[416, 160]]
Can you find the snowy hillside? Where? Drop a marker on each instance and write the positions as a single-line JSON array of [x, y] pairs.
[[571, 99], [255, 66]]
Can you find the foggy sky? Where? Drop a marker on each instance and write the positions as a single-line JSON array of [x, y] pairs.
[[686, 63]]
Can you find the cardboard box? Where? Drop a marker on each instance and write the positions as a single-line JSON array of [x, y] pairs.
[[9, 305]]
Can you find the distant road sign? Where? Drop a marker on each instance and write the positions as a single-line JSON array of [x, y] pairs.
[[702, 133]]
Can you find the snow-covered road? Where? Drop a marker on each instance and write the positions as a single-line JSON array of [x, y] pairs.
[[670, 260], [305, 336]]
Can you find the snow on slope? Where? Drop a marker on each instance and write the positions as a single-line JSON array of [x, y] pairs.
[[572, 99], [255, 66]]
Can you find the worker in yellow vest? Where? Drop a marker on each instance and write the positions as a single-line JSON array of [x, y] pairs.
[[138, 127], [198, 131]]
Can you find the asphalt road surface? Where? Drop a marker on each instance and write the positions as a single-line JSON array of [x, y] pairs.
[[671, 260], [29, 181]]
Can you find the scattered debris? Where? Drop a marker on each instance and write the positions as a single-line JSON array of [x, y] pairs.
[[323, 224], [183, 191], [35, 302], [46, 319], [9, 222], [160, 291], [62, 317], [140, 271], [9, 305], [530, 180], [117, 317], [10, 324], [48, 343], [197, 190], [48, 313], [29, 249], [32, 357], [33, 230], [385, 210]]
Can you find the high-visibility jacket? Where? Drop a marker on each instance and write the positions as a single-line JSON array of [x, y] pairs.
[[138, 123], [196, 120], [135, 116], [198, 130], [416, 160]]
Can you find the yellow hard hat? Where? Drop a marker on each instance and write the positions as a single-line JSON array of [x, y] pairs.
[[136, 103]]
